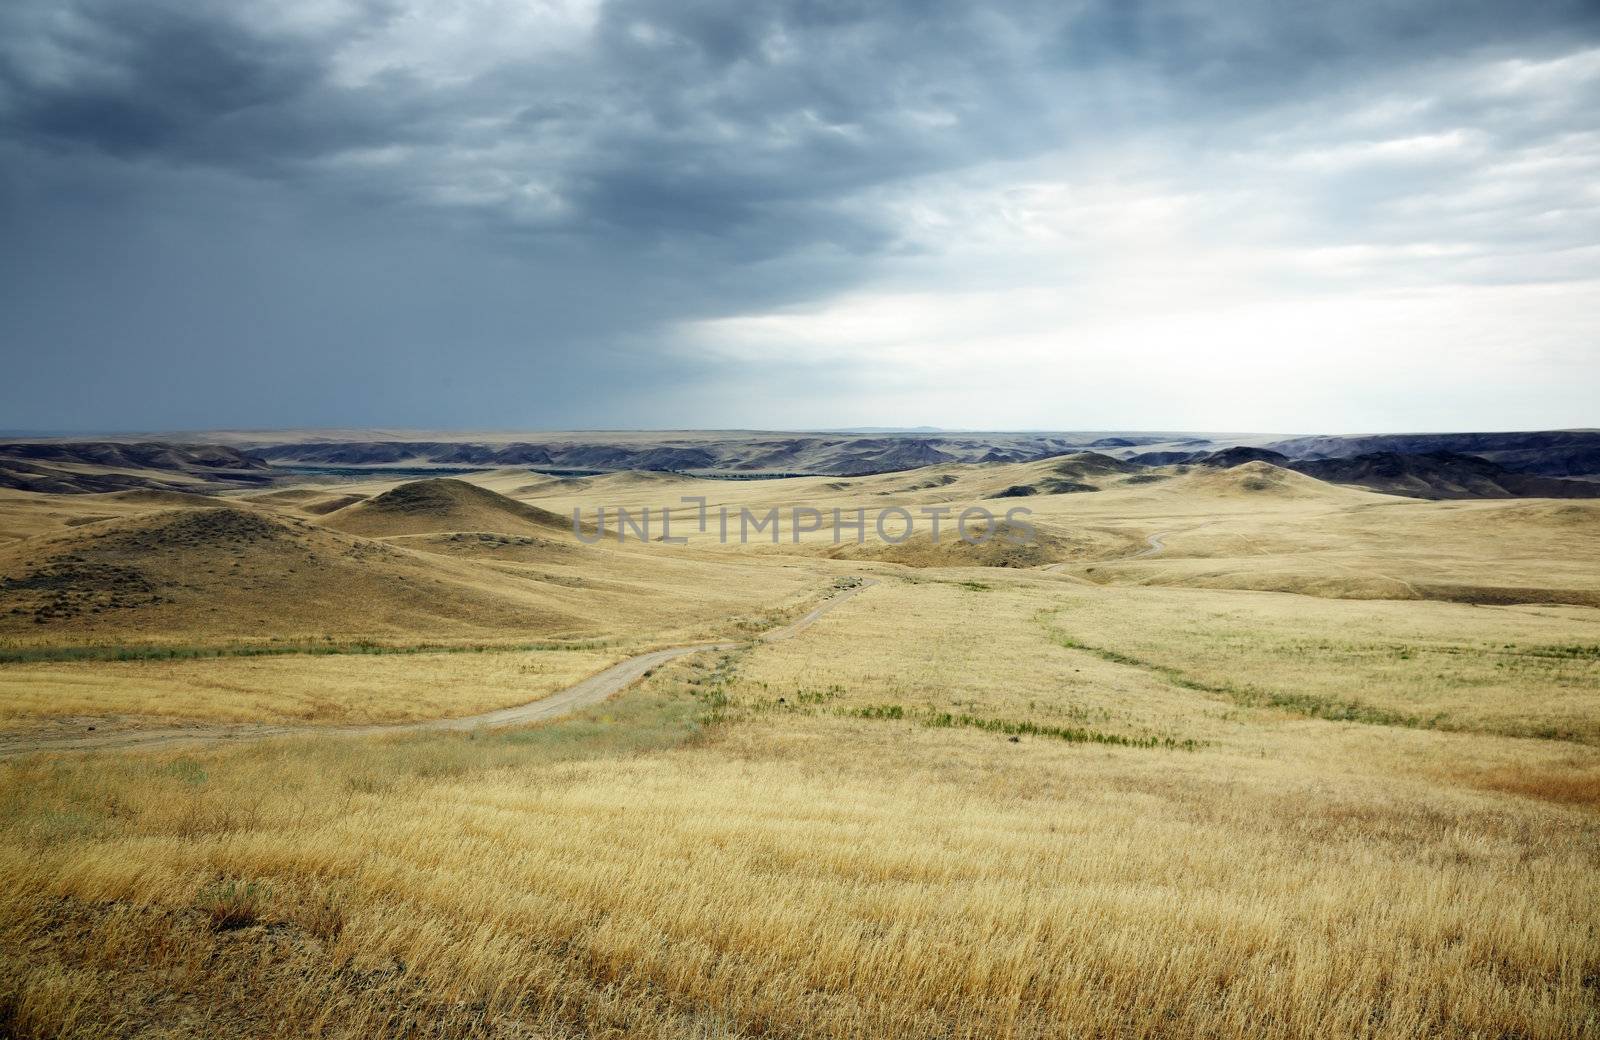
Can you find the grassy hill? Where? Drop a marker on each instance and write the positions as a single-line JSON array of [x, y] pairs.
[[442, 504], [202, 573]]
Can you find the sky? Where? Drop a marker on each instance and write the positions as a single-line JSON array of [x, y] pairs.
[[800, 214]]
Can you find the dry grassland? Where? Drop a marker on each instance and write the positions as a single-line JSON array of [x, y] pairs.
[[322, 688], [971, 802]]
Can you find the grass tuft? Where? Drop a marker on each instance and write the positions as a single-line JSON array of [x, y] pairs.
[[232, 904]]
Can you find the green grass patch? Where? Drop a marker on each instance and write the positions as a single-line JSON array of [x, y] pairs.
[[1333, 710], [875, 711], [1070, 734], [185, 770], [1571, 652], [1014, 728]]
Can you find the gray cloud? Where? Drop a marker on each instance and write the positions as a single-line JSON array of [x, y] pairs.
[[549, 198], [699, 116]]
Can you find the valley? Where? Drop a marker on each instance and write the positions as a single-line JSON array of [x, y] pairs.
[[408, 757]]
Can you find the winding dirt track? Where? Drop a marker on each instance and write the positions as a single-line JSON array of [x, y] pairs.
[[75, 734], [1154, 544]]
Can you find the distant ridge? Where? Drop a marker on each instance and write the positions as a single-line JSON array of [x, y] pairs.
[[90, 467], [1434, 475], [266, 457], [1550, 453], [834, 453], [1442, 474]]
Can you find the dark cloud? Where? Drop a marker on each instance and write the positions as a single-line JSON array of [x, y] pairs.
[[693, 116], [143, 81], [550, 195]]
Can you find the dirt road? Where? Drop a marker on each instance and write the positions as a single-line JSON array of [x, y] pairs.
[[1154, 544], [1157, 544], [91, 734]]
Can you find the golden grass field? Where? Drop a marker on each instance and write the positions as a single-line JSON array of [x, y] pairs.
[[1315, 762], [330, 688]]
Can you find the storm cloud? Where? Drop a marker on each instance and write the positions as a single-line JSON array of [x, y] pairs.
[[493, 214]]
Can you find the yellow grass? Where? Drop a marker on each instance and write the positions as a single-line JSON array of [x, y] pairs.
[[842, 877], [224, 576], [294, 688], [1226, 813], [1167, 661]]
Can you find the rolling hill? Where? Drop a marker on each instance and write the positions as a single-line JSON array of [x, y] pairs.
[[246, 573], [442, 504], [1256, 479], [1071, 474]]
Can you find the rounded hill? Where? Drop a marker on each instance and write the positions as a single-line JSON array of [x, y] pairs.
[[246, 573], [442, 504]]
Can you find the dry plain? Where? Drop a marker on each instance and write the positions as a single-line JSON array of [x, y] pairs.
[[1227, 753]]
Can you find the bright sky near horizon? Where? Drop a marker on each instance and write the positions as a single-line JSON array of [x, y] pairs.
[[1098, 214]]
